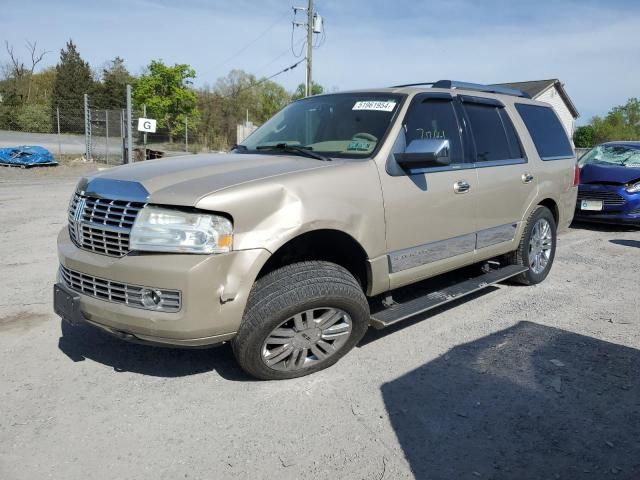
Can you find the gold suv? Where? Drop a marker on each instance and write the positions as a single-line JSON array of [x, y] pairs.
[[293, 243]]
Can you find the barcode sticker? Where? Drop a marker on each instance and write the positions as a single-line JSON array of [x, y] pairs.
[[374, 105]]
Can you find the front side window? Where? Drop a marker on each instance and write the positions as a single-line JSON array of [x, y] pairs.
[[337, 125], [612, 155], [547, 133], [493, 133], [434, 118]]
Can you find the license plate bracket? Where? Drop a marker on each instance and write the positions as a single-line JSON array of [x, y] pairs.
[[66, 304], [593, 205]]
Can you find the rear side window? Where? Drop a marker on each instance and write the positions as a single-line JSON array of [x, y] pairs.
[[493, 133], [546, 131]]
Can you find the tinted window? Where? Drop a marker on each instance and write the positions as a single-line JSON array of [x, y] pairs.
[[512, 137], [434, 118], [546, 131], [490, 133]]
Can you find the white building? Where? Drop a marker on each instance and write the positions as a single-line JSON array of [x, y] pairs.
[[552, 92]]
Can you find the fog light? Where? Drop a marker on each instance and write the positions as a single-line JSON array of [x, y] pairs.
[[151, 298]]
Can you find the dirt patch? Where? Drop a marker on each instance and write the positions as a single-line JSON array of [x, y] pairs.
[[22, 320]]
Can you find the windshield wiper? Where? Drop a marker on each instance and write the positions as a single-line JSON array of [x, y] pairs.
[[297, 149], [238, 146]]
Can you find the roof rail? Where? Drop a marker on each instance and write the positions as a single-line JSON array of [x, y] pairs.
[[469, 86], [412, 84], [481, 88]]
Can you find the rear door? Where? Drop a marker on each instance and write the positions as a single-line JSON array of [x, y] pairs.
[[430, 212], [506, 183]]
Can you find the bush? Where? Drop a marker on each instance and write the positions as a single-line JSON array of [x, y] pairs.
[[584, 137], [34, 118]]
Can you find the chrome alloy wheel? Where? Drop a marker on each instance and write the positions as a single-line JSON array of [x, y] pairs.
[[540, 245], [306, 338]]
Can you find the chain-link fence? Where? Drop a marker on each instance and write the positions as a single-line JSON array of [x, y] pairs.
[[106, 136], [59, 128], [165, 141]]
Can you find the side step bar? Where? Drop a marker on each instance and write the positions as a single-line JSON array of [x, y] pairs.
[[402, 311]]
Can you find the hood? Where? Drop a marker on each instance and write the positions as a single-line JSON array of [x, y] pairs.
[[606, 174], [185, 180]]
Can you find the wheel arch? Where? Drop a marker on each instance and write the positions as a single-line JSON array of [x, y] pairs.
[[323, 244], [552, 205]]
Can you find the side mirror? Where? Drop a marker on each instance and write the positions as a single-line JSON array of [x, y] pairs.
[[431, 152]]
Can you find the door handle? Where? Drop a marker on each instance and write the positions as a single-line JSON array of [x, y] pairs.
[[461, 186], [527, 178]]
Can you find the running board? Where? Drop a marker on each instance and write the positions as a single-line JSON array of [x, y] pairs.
[[402, 311]]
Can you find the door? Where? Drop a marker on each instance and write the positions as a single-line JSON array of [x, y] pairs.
[[430, 212], [506, 183]]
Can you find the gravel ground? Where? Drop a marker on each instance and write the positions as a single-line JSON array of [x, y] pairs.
[[517, 382]]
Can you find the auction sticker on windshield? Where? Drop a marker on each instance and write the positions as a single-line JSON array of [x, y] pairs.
[[374, 105]]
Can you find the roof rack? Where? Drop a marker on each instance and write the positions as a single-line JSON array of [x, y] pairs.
[[470, 86]]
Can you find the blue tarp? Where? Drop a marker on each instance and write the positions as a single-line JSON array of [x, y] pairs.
[[27, 156]]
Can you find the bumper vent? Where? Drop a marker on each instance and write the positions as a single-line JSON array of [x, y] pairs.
[[101, 225], [608, 198], [117, 292]]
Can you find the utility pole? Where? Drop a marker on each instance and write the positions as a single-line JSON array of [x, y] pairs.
[[309, 81], [314, 25]]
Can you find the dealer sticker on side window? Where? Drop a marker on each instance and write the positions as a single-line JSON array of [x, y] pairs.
[[375, 105]]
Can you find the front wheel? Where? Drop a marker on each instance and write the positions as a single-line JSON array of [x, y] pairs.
[[537, 248], [300, 319]]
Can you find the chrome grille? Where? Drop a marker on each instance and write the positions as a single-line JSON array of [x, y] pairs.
[[101, 225], [608, 198], [635, 211], [117, 292]]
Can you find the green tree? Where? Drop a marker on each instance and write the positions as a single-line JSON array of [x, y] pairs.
[[316, 89], [73, 79], [583, 137], [272, 98], [167, 93], [621, 123], [112, 92]]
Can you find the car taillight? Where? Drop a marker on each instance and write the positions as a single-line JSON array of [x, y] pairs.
[[576, 176]]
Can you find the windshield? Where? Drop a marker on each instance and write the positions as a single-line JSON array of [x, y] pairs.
[[612, 155], [337, 125]]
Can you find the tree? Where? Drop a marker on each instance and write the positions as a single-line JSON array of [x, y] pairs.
[[21, 74], [167, 94], [621, 123], [583, 137], [73, 80], [226, 105], [316, 89], [112, 92]]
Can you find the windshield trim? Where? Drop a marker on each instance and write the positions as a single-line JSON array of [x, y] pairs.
[[402, 98]]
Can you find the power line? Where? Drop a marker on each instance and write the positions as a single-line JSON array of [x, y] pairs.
[[252, 42], [265, 79], [271, 62]]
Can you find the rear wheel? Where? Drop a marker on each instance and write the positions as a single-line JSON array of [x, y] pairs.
[[300, 319], [537, 247]]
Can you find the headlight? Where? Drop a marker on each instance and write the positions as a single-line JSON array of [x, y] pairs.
[[633, 188], [162, 230]]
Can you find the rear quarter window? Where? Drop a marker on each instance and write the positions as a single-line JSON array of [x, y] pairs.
[[547, 133]]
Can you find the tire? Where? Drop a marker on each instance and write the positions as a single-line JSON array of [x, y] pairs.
[[521, 256], [313, 309]]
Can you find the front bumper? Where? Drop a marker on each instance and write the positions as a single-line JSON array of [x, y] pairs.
[[627, 212], [214, 292]]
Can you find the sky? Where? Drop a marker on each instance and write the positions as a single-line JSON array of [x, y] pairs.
[[591, 46]]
